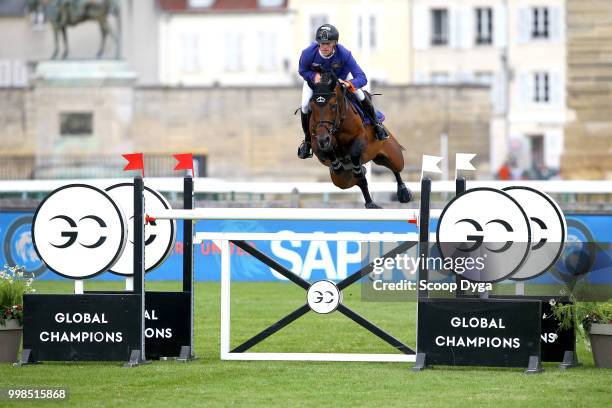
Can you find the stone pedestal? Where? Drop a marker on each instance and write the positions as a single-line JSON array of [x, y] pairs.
[[81, 108]]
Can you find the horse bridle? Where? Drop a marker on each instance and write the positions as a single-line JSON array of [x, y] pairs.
[[338, 119]]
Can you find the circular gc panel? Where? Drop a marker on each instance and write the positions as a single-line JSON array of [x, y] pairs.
[[160, 235], [79, 231], [486, 233], [548, 230], [323, 297]]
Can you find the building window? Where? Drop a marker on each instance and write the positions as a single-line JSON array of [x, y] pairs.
[[439, 27], [190, 53], [270, 3], [316, 21], [233, 52], [439, 77], [360, 30], [484, 77], [484, 26], [541, 89], [536, 149], [200, 3], [540, 22], [268, 56], [76, 124]]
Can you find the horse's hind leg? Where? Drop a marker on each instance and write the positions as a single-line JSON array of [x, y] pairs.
[[404, 195]]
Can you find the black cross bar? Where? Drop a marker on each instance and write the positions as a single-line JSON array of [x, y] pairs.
[[273, 264], [346, 282], [366, 324], [299, 312]]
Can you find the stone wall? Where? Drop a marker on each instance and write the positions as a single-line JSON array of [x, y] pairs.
[[254, 133], [247, 132], [588, 138]]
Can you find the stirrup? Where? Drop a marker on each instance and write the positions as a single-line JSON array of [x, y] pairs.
[[304, 151]]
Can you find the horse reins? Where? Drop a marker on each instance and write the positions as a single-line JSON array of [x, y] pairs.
[[336, 124]]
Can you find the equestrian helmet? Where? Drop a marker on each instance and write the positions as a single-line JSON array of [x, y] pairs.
[[327, 33]]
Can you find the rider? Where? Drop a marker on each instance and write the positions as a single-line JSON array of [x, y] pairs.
[[326, 55]]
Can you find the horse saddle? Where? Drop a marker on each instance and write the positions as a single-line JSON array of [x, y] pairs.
[[357, 106]]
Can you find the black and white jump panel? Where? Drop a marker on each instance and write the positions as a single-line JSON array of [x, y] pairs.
[[87, 327], [93, 326], [167, 324], [555, 341], [472, 332], [76, 226]]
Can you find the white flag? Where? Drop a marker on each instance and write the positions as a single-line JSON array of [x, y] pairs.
[[462, 161], [430, 164]]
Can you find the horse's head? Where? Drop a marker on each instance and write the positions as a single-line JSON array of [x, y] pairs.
[[325, 107]]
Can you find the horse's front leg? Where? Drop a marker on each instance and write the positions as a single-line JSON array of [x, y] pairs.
[[335, 164], [103, 33], [359, 174], [56, 46], [65, 38]]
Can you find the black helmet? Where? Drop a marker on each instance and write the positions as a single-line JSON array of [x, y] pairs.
[[327, 33]]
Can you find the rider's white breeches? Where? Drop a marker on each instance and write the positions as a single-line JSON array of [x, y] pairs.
[[307, 94]]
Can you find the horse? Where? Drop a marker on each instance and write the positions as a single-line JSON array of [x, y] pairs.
[[342, 142], [64, 13]]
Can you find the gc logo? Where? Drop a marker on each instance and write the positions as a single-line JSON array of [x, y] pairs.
[[487, 225], [323, 297], [517, 233], [160, 235], [79, 231], [73, 235]]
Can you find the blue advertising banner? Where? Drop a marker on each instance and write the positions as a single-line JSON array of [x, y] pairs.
[[315, 260]]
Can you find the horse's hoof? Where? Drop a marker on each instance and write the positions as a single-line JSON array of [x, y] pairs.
[[404, 195], [372, 206]]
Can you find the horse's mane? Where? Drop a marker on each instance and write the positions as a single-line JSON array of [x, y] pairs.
[[327, 84]]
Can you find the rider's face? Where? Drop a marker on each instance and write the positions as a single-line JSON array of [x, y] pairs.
[[326, 48]]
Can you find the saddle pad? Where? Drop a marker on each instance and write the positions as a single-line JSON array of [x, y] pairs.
[[379, 115]]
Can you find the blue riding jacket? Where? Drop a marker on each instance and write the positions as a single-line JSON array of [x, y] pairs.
[[341, 63]]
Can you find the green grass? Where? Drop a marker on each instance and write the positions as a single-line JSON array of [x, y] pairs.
[[209, 381]]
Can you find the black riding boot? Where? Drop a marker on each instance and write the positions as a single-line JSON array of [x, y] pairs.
[[304, 151], [368, 108]]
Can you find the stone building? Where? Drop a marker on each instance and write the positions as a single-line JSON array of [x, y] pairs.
[[588, 136]]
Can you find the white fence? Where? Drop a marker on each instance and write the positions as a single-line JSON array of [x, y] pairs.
[[174, 186]]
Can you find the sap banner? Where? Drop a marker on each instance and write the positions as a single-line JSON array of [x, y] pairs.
[[315, 260]]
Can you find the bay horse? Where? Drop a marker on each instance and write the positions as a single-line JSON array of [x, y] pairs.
[[342, 142], [65, 13]]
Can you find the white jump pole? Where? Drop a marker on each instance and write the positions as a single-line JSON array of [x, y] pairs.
[[319, 214]]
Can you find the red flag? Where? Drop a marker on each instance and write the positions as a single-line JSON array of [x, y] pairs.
[[184, 162], [135, 162]]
